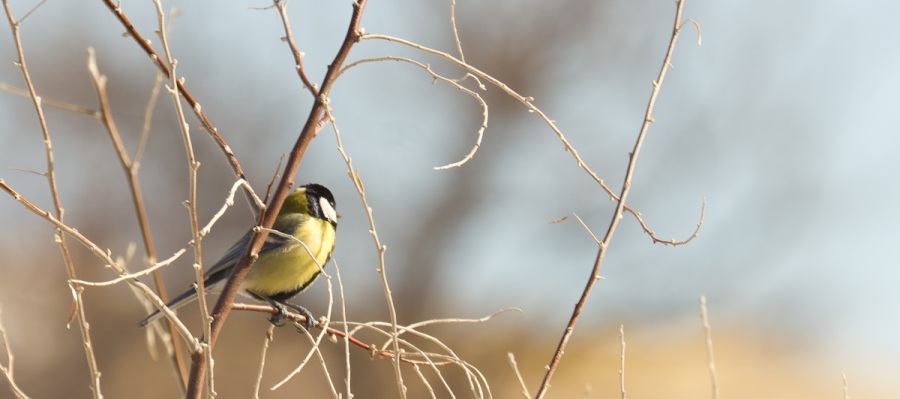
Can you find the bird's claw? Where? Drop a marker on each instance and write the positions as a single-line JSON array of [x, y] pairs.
[[277, 319], [310, 321]]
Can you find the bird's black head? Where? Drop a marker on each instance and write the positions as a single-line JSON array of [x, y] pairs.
[[320, 202]]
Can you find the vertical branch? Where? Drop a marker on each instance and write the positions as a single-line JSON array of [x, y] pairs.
[[844, 385], [270, 336], [7, 369], [267, 219], [193, 166], [462, 56], [622, 360], [709, 348], [131, 173], [379, 248], [60, 238], [281, 7], [337, 272], [617, 215]]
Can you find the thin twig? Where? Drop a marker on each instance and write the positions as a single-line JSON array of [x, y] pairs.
[[379, 248], [192, 166], [453, 82], [617, 215], [457, 320], [528, 102], [267, 218], [337, 272], [416, 357], [622, 360], [131, 174], [51, 102], [428, 387], [103, 256], [318, 339], [229, 201], [77, 305], [315, 342], [515, 367], [148, 118], [144, 44], [355, 177], [298, 318], [8, 369], [131, 276], [709, 348], [281, 7], [462, 56], [588, 229], [270, 336], [845, 386], [476, 379]]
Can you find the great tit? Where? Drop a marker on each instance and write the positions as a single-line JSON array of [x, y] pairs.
[[284, 267]]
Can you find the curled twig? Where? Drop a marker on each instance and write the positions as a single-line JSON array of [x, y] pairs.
[[453, 82], [528, 102]]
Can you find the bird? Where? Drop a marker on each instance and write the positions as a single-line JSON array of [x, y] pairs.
[[284, 267]]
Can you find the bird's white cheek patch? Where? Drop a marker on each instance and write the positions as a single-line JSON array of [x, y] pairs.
[[328, 210]]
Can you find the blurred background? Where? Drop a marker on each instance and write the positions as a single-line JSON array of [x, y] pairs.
[[783, 120]]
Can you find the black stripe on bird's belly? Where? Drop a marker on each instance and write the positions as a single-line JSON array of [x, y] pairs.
[[284, 296]]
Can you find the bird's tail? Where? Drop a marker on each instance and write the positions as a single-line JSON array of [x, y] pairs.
[[179, 301]]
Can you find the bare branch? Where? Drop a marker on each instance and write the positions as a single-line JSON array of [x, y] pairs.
[[100, 254], [453, 82], [131, 174], [528, 102], [622, 359], [144, 44], [844, 385], [7, 369], [267, 218], [281, 7], [515, 367], [379, 248], [462, 56], [617, 216], [270, 336], [77, 306], [51, 102], [709, 348]]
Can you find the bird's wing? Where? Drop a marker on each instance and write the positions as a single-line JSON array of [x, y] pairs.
[[221, 270]]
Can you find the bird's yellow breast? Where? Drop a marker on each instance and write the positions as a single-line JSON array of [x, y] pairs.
[[290, 268]]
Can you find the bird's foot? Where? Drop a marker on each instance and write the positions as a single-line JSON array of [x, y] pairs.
[[277, 319], [310, 320]]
